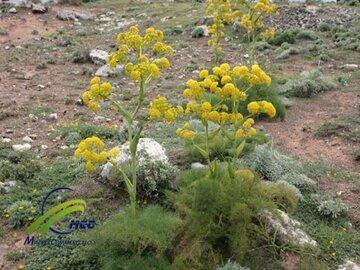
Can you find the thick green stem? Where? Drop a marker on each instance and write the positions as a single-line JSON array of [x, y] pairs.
[[207, 148]]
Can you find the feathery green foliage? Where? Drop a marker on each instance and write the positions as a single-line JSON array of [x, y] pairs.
[[140, 242], [220, 215]]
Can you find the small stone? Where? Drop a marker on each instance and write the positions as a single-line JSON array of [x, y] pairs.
[[44, 147], [28, 76], [32, 117], [99, 118], [63, 147], [21, 147], [99, 56], [106, 71], [27, 139], [6, 140], [41, 86], [198, 165], [349, 265], [38, 8], [12, 10], [8, 186], [350, 67], [67, 15], [53, 116]]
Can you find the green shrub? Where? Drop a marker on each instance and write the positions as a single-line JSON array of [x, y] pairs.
[[357, 155], [81, 56], [59, 257], [345, 127], [220, 146], [275, 166], [262, 45], [258, 93], [349, 40], [309, 84], [75, 133], [328, 206], [20, 213], [153, 178], [141, 242], [15, 256], [221, 215], [18, 167], [324, 27], [285, 36], [286, 53], [350, 2], [307, 34]]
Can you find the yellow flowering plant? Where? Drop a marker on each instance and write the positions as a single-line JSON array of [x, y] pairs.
[[250, 15], [222, 82], [251, 18], [222, 12], [144, 58]]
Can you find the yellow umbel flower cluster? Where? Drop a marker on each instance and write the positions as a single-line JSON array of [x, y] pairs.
[[139, 54], [160, 108], [252, 19], [257, 107], [221, 11], [246, 130], [222, 82], [92, 149], [217, 114], [185, 133], [97, 93]]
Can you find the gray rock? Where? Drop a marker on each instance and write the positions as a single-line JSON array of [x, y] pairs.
[[8, 186], [39, 8], [207, 20], [350, 67], [27, 139], [106, 71], [71, 15], [349, 265], [21, 147], [198, 165], [12, 10], [287, 230], [147, 149], [99, 56], [52, 117]]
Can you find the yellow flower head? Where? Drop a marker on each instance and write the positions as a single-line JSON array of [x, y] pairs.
[[97, 93], [92, 151], [253, 107], [203, 73]]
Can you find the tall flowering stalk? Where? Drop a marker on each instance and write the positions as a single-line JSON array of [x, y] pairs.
[[221, 10], [253, 21], [223, 82], [144, 57], [249, 13]]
